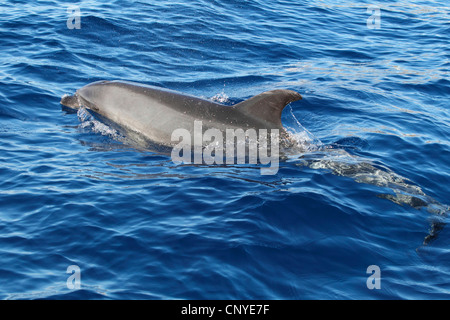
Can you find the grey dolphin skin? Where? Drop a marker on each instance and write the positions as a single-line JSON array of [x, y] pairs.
[[156, 112]]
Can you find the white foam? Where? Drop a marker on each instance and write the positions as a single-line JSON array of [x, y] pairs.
[[220, 97], [88, 121]]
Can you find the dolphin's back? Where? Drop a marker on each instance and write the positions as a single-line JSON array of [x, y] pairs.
[[156, 112]]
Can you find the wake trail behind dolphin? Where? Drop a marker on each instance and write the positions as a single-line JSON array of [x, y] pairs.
[[311, 152]]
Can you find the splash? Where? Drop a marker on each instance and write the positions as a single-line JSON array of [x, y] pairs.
[[89, 122], [221, 97], [299, 139]]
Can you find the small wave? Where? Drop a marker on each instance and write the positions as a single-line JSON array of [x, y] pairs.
[[88, 121]]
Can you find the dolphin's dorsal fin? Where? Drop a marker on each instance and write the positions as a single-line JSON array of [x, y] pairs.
[[268, 105]]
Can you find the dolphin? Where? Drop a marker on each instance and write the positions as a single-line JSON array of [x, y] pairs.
[[156, 112]]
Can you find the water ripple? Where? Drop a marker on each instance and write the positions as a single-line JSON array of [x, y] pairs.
[[74, 191]]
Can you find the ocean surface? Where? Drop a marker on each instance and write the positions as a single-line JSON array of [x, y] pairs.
[[359, 214]]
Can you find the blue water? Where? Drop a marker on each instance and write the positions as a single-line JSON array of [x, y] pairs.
[[138, 226]]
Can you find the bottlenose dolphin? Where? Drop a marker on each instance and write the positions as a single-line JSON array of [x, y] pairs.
[[156, 112]]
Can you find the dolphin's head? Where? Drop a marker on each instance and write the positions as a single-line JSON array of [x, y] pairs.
[[70, 101], [93, 95], [88, 96]]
